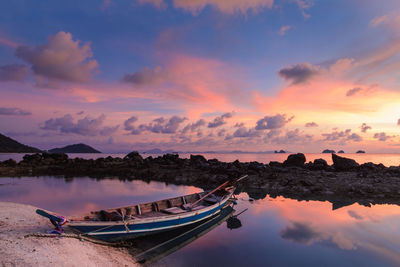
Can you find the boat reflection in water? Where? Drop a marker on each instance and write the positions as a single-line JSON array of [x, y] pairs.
[[150, 249]]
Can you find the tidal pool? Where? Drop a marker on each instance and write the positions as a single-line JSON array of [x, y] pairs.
[[273, 232]]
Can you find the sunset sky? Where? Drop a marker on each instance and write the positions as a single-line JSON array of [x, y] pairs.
[[198, 75]]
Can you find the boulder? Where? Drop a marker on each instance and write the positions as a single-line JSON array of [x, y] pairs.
[[9, 163], [318, 164], [197, 158], [344, 164], [134, 156], [295, 160]]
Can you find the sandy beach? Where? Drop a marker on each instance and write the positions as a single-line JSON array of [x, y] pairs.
[[17, 221]]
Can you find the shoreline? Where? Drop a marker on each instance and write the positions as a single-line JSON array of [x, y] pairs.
[[17, 221], [342, 183]]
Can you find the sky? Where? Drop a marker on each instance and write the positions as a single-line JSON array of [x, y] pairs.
[[201, 75]]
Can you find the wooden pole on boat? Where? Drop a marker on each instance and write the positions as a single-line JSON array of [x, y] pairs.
[[219, 187]]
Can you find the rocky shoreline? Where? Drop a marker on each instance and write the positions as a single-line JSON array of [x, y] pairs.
[[342, 183]]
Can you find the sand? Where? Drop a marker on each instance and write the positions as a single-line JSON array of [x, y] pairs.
[[17, 221]]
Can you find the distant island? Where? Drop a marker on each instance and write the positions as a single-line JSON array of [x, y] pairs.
[[8, 145], [341, 151], [329, 151], [280, 151], [360, 152], [75, 148]]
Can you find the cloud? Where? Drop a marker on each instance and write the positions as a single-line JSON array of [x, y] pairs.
[[311, 124], [128, 124], [354, 215], [244, 132], [194, 126], [14, 111], [61, 59], [378, 20], [300, 233], [160, 4], [227, 7], [13, 72], [299, 73], [106, 4], [353, 91], [145, 76], [284, 29], [383, 136], [219, 121], [86, 126], [272, 122], [364, 127], [342, 136], [290, 137], [303, 6], [398, 122], [158, 125]]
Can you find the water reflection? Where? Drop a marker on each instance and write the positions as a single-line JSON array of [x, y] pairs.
[[148, 250], [274, 231]]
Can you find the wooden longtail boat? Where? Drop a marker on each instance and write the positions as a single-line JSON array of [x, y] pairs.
[[150, 218]]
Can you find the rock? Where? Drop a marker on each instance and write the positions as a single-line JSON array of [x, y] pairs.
[[328, 151], [344, 164], [360, 152], [275, 164], [134, 156], [280, 151], [9, 163], [340, 152], [197, 158], [295, 160], [319, 164]]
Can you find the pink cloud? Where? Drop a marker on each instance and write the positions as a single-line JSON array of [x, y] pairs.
[[61, 59]]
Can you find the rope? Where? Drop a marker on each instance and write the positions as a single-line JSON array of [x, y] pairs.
[[80, 237]]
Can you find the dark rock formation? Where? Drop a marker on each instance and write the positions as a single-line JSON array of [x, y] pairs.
[[328, 151], [340, 152], [280, 151], [360, 151], [76, 148], [343, 183], [295, 160], [8, 145], [344, 164]]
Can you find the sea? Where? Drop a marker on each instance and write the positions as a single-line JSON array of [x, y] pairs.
[[273, 231]]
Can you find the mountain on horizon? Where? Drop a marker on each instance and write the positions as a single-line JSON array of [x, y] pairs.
[[75, 148], [9, 145]]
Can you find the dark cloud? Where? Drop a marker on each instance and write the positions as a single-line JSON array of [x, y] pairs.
[[383, 136], [364, 127], [290, 137], [86, 126], [243, 132], [14, 111], [191, 127], [354, 215], [158, 125], [145, 76], [299, 73], [128, 124], [60, 59], [272, 122], [300, 233], [13, 72], [238, 125], [311, 124], [218, 121], [221, 132], [353, 91], [342, 136], [80, 112]]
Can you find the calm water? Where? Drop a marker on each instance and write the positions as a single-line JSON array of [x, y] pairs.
[[386, 159], [274, 232]]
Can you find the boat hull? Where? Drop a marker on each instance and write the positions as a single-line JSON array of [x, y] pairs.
[[114, 231]]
